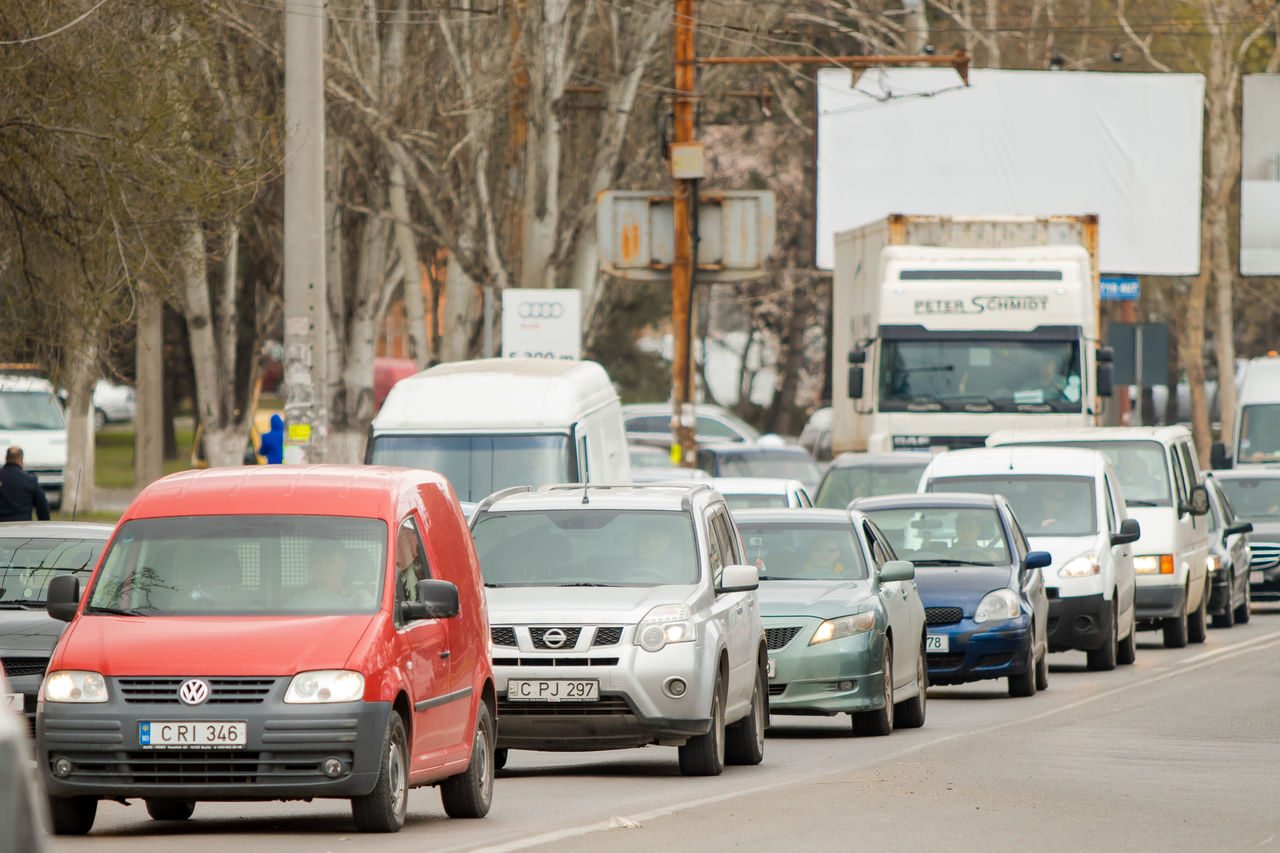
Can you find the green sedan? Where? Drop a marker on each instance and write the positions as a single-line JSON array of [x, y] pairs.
[[843, 620]]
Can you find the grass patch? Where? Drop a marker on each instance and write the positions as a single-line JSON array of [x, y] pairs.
[[113, 463]]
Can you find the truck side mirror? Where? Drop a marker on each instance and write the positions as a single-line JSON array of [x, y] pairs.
[[857, 358], [1218, 458], [1106, 364]]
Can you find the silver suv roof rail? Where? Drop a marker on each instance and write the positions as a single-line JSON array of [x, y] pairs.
[[487, 502], [686, 500]]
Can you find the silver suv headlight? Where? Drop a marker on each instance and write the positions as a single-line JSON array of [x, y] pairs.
[[666, 623], [325, 685], [74, 685]]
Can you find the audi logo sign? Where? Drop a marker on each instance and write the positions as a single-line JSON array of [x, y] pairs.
[[538, 323]]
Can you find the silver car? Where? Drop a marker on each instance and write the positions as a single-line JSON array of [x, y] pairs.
[[624, 616]]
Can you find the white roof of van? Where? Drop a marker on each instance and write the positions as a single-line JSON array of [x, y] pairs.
[[20, 382], [1018, 461], [1261, 381], [496, 393], [1029, 436]]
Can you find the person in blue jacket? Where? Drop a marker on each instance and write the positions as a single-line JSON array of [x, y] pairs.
[[272, 445]]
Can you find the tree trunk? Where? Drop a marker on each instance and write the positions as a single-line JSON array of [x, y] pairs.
[[1222, 164], [78, 478], [460, 314], [415, 311], [148, 453]]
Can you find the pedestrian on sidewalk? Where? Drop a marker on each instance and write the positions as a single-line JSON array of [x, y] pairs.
[[272, 444], [20, 492]]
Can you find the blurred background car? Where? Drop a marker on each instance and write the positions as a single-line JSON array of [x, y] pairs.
[[113, 403], [650, 423], [668, 474], [1229, 598], [816, 435], [866, 475], [762, 492], [647, 456], [1255, 497], [788, 462]]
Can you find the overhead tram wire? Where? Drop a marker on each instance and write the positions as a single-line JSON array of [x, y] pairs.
[[62, 29]]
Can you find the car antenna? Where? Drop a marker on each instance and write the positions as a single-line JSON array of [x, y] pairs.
[[585, 498], [75, 499]]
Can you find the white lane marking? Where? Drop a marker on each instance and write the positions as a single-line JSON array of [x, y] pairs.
[[1184, 666]]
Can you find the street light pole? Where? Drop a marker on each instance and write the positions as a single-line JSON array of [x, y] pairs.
[[685, 195]]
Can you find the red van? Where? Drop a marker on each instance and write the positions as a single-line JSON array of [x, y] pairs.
[[274, 633]]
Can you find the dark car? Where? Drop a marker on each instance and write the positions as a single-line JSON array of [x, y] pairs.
[[868, 475], [1229, 600], [986, 610], [1255, 497], [31, 554], [776, 461]]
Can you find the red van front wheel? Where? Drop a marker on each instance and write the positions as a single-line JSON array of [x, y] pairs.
[[470, 793], [383, 808]]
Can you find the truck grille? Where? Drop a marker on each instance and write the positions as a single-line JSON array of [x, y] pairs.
[[222, 691], [503, 636], [1263, 555], [200, 767], [14, 667], [605, 706], [776, 638], [942, 615], [522, 661], [539, 637]]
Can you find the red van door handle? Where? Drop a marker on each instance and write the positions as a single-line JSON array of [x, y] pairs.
[[445, 653]]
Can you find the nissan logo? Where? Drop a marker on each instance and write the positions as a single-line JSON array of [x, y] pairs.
[[554, 638], [541, 310], [193, 692]]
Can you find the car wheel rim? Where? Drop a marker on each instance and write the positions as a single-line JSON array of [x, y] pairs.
[[888, 689], [395, 775], [757, 711], [718, 725], [481, 754]]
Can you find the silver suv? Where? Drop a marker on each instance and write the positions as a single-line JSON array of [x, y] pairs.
[[623, 616]]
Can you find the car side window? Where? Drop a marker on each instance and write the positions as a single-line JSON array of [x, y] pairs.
[[732, 547], [715, 546], [1179, 476], [712, 428], [1189, 462], [411, 561], [1019, 538], [878, 552]]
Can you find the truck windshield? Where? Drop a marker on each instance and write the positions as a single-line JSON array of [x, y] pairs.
[[243, 564], [1259, 433], [1044, 506], [479, 465], [29, 410], [980, 375], [587, 547]]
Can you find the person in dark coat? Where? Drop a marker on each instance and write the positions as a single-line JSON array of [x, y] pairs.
[[20, 492], [272, 445]]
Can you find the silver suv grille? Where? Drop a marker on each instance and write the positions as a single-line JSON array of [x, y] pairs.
[[1263, 555], [539, 637]]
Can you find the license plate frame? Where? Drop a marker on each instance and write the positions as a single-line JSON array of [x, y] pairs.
[[553, 690], [193, 734], [15, 702], [936, 644], [772, 668]]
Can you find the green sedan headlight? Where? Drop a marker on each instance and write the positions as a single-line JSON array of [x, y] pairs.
[[845, 626]]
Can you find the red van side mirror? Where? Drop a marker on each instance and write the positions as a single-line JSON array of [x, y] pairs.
[[436, 600]]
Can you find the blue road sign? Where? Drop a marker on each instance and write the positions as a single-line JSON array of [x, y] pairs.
[[1119, 288]]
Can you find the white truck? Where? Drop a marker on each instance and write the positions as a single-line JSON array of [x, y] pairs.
[[953, 327], [32, 418], [1256, 439]]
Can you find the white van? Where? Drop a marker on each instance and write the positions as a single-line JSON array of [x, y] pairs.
[[31, 418], [493, 423], [1069, 503], [1162, 486], [1256, 439]]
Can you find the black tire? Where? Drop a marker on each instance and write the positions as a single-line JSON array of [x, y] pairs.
[[470, 793], [170, 809], [1104, 659], [1042, 670], [909, 713], [500, 758], [1244, 611], [1128, 651], [879, 722], [1196, 621], [703, 755], [99, 419], [1024, 684], [383, 808], [72, 815], [1175, 632], [744, 741], [1227, 618]]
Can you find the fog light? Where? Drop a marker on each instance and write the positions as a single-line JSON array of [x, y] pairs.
[[846, 685], [675, 687], [331, 767], [62, 767]]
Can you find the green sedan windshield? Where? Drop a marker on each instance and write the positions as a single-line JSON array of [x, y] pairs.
[[804, 551]]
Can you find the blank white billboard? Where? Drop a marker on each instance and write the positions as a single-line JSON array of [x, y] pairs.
[[1260, 176], [1124, 146]]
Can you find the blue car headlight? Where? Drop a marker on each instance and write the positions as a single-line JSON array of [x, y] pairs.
[[998, 605]]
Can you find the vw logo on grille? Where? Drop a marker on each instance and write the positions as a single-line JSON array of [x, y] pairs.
[[544, 310], [554, 638], [193, 692]]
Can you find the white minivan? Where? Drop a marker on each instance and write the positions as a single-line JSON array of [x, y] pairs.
[[493, 423], [1069, 503], [1163, 489], [31, 418]]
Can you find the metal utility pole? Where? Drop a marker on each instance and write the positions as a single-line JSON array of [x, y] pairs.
[[682, 267], [306, 318]]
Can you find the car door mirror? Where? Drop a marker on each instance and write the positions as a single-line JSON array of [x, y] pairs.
[[1218, 458], [1239, 527], [1129, 532], [1037, 560], [1199, 503], [436, 600], [63, 597], [897, 570], [855, 383], [738, 579], [1106, 367]]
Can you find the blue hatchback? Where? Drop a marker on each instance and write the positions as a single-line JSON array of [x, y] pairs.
[[986, 610]]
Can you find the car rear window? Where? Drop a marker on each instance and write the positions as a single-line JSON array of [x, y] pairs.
[[588, 547], [756, 501], [787, 551], [841, 486], [255, 564], [1044, 505]]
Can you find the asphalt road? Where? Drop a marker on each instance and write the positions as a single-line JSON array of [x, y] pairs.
[[1177, 751]]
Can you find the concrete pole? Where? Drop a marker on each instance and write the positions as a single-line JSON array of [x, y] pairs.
[[682, 418], [148, 437], [306, 319]]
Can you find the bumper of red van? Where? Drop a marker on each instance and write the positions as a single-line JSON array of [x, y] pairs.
[[284, 757]]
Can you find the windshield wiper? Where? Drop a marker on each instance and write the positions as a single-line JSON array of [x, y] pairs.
[[584, 583], [496, 585], [943, 561], [1131, 502], [111, 611]]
